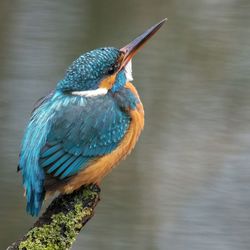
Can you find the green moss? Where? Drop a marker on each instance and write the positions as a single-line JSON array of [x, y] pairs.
[[63, 228]]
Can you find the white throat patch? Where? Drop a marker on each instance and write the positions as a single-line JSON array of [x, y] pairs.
[[128, 71], [91, 93]]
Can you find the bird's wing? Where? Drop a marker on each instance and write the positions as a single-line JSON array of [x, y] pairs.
[[39, 102], [81, 133]]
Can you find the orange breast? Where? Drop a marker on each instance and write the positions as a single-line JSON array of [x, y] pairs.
[[103, 165]]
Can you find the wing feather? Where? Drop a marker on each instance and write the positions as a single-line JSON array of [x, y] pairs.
[[81, 133]]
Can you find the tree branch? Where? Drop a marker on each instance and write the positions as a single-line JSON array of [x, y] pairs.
[[58, 227]]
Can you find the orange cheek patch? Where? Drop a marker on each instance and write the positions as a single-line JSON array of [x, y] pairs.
[[108, 82]]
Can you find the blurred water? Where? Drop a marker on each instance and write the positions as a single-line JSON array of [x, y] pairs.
[[186, 186]]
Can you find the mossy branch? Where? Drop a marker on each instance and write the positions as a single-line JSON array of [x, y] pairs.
[[60, 224]]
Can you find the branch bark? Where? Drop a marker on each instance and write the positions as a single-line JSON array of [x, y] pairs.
[[60, 224]]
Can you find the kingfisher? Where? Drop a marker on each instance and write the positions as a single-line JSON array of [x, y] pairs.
[[85, 126]]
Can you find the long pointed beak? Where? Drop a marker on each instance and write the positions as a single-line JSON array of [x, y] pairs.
[[132, 48]]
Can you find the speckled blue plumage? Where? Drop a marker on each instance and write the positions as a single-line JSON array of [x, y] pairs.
[[86, 71], [66, 132]]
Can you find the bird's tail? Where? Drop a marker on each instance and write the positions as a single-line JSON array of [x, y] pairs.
[[34, 201]]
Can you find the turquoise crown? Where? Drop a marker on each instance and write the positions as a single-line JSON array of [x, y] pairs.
[[86, 72]]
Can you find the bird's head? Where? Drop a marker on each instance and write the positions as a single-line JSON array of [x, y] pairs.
[[104, 69]]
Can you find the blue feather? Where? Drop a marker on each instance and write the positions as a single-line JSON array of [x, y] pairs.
[[65, 165], [58, 163], [53, 158], [34, 140], [51, 150], [74, 167]]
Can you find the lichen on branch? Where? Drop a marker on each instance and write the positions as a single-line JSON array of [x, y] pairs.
[[59, 226]]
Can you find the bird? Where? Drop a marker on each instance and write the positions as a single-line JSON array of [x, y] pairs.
[[85, 126]]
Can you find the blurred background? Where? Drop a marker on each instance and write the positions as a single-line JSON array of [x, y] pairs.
[[186, 186]]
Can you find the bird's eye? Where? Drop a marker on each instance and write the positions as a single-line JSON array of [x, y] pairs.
[[113, 69]]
